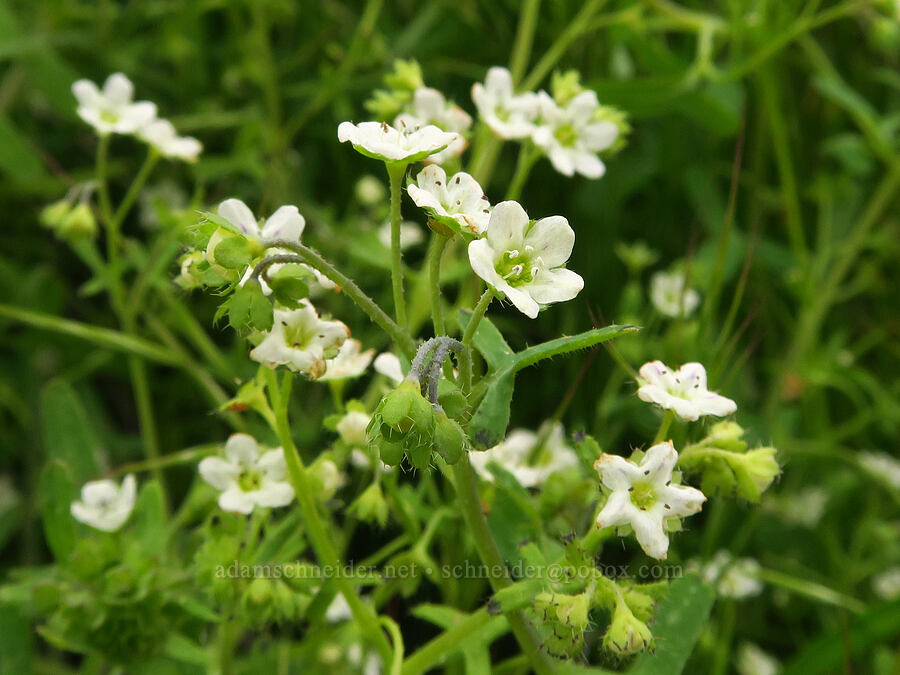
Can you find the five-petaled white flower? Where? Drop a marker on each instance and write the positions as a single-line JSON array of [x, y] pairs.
[[515, 455], [458, 199], [523, 260], [430, 107], [643, 496], [572, 136], [285, 223], [670, 296], [389, 365], [349, 362], [300, 340], [246, 477], [509, 115], [105, 505], [410, 234], [161, 135], [408, 144], [683, 390], [112, 110]]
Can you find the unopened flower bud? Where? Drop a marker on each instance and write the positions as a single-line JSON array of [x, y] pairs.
[[449, 438], [755, 472], [54, 214], [370, 506], [573, 610], [80, 222], [326, 478], [420, 456], [452, 400], [391, 452], [626, 634]]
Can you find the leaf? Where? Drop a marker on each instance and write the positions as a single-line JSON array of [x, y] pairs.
[[185, 650], [15, 642], [219, 221], [55, 494], [149, 518], [488, 341], [67, 432], [18, 159], [262, 315], [566, 345], [289, 291], [233, 253], [513, 518], [828, 653], [679, 621], [488, 425]]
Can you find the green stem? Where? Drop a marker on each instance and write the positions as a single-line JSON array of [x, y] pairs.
[[187, 456], [528, 155], [434, 652], [141, 388], [498, 574], [324, 548], [135, 188], [664, 427], [396, 171], [435, 251], [354, 292], [811, 590], [465, 356], [528, 16], [106, 212]]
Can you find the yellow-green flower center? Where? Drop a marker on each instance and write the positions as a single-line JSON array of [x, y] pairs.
[[249, 481], [566, 135], [643, 495], [109, 116], [299, 335], [516, 268]]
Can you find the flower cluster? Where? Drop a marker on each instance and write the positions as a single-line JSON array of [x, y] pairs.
[[113, 110]]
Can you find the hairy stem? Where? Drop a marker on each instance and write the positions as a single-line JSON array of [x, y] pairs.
[[435, 251]]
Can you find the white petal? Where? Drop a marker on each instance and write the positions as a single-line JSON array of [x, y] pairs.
[[274, 494], [273, 463], [128, 493], [520, 299], [481, 258], [714, 404], [86, 93], [389, 365], [556, 285], [136, 116], [599, 135], [658, 463], [682, 500], [617, 510], [506, 228], [285, 223], [588, 164], [616, 472], [99, 492], [562, 161], [553, 239], [648, 529], [429, 104], [498, 82], [582, 107], [235, 500], [118, 89], [692, 376], [238, 214], [218, 473], [242, 449]]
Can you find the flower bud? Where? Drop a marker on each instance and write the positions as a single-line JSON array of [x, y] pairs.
[[573, 610], [326, 478], [726, 436], [449, 438], [80, 222], [370, 506], [565, 86], [190, 277], [395, 407], [451, 399], [755, 470], [421, 412], [420, 456], [391, 453], [626, 634], [259, 591], [54, 214]]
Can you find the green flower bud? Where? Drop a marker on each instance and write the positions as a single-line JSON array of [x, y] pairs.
[[395, 407], [190, 277], [54, 214], [449, 438], [755, 470], [407, 75], [565, 86], [640, 604], [370, 506], [726, 436], [452, 400], [626, 634], [259, 591], [573, 610], [420, 456], [80, 222], [391, 453], [421, 412], [326, 478]]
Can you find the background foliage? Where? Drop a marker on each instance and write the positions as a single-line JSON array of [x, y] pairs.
[[764, 155]]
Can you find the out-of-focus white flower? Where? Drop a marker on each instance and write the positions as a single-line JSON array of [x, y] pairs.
[[643, 496], [246, 477], [524, 261], [379, 140], [161, 135], [509, 115], [751, 660], [370, 191], [887, 584], [410, 234], [112, 110], [104, 504], [670, 296], [515, 455], [572, 136], [683, 390], [389, 365], [300, 340], [285, 223], [458, 199], [883, 466], [338, 610], [430, 107], [804, 508], [352, 428], [733, 578], [350, 361]]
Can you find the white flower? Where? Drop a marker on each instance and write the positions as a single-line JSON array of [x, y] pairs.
[[882, 466], [751, 660], [349, 362], [339, 610], [515, 455], [670, 296], [389, 365], [352, 428], [887, 584], [300, 340], [643, 496], [162, 136], [105, 505], [410, 234], [733, 578], [316, 281], [285, 223], [683, 391], [247, 478], [524, 261], [510, 116], [112, 111], [379, 140], [459, 199], [804, 508], [430, 107], [572, 137]]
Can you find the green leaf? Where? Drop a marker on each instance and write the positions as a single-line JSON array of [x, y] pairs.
[[15, 642], [488, 425], [233, 253], [185, 650], [18, 160], [67, 432], [56, 492], [566, 345], [238, 307], [149, 517], [488, 341], [679, 621], [289, 291], [261, 313], [219, 221]]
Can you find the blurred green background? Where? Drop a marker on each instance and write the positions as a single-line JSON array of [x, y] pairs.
[[764, 158]]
